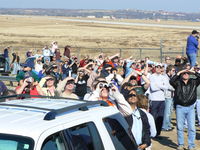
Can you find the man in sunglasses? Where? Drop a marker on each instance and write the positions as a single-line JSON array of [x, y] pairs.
[[185, 96]]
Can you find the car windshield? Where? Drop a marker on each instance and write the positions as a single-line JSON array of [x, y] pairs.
[[14, 142]]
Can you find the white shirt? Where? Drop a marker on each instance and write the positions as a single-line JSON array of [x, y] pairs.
[[54, 47], [46, 52], [137, 126], [158, 84], [151, 123]]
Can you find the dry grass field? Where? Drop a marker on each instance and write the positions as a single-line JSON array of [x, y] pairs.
[[33, 32]]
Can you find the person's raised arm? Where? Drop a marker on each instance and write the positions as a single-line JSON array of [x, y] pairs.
[[144, 77], [123, 105]]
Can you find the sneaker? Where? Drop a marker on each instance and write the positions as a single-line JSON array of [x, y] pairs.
[[180, 148]]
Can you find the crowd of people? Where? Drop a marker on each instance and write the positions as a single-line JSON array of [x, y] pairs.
[[144, 91]]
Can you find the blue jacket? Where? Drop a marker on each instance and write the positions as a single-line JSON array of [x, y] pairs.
[[192, 45]]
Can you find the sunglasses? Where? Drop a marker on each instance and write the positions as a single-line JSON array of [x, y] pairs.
[[133, 78], [185, 73], [158, 67], [132, 95], [50, 79], [70, 82]]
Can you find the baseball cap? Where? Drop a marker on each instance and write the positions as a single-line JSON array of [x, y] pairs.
[[26, 65]]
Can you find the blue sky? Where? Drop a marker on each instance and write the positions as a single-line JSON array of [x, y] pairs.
[[169, 5]]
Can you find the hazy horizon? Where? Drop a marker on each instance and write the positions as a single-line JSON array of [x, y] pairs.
[[153, 5]]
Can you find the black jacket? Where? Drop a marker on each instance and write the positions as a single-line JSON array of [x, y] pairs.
[[146, 139], [185, 94]]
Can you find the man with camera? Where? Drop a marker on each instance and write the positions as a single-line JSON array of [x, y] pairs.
[[28, 86], [26, 71], [192, 47], [185, 96]]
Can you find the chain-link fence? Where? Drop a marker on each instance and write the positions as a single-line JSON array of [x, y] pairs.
[[156, 54]]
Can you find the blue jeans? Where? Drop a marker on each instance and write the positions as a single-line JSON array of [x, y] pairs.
[[167, 114], [7, 64], [198, 110], [187, 113], [192, 58]]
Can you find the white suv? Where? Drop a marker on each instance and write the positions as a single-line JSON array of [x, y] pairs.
[[60, 124]]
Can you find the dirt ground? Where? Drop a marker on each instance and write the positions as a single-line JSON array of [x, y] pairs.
[[169, 139], [34, 32]]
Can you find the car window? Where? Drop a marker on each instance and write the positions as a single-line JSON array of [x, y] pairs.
[[54, 142], [85, 137], [118, 131], [15, 142]]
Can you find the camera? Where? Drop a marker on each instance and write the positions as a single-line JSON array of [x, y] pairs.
[[29, 80]]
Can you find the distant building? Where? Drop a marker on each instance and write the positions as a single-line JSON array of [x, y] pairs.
[[91, 16], [182, 15], [106, 17]]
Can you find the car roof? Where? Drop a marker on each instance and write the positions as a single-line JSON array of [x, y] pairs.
[[27, 117]]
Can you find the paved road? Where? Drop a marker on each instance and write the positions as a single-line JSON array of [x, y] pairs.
[[129, 23], [116, 23]]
